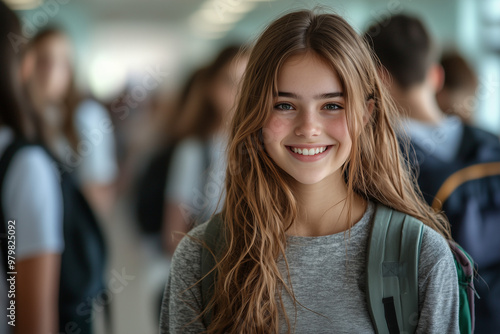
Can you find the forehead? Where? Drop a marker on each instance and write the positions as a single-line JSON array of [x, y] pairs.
[[308, 74]]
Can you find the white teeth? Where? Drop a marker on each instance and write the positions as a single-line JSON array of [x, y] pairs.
[[312, 151]]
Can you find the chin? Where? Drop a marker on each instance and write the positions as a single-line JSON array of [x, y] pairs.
[[308, 179]]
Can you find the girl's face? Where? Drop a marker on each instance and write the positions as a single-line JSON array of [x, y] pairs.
[[53, 68], [225, 85], [306, 133]]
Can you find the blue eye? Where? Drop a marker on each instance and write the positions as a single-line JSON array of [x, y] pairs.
[[332, 106], [284, 106]]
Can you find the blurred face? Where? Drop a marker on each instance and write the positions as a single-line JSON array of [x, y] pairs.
[[52, 72], [225, 85], [306, 133]]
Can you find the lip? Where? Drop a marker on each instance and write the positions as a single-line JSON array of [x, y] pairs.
[[308, 146], [308, 158]]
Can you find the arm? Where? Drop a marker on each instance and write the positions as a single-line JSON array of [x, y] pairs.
[[181, 306], [37, 294], [98, 170], [438, 287], [101, 197], [34, 200], [183, 192]]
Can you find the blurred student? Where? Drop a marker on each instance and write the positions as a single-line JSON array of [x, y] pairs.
[[150, 186], [59, 249], [31, 205], [77, 130], [458, 95], [459, 165], [195, 180]]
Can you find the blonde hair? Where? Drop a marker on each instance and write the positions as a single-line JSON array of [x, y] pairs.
[[260, 205]]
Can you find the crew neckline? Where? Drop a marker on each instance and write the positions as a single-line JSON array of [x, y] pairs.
[[336, 237]]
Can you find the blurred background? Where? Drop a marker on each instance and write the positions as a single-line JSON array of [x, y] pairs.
[[134, 57], [117, 40]]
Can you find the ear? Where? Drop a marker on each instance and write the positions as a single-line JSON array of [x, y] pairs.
[[435, 77], [370, 105]]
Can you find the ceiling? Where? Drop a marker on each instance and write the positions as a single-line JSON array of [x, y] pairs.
[[144, 10], [127, 35]]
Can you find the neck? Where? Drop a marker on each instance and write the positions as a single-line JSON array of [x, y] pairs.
[[323, 211], [420, 104]]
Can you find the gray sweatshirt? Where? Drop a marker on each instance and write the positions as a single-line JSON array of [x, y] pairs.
[[329, 282]]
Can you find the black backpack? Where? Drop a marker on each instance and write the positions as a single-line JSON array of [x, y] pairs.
[[151, 191], [467, 190], [84, 256], [150, 201]]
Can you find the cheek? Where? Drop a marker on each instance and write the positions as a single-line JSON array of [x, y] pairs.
[[274, 130], [339, 130]]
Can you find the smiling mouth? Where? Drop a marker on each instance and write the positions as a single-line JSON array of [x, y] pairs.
[[308, 152]]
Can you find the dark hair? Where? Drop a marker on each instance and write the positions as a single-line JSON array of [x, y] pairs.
[[404, 48], [459, 89], [198, 115], [458, 73], [223, 58], [12, 110]]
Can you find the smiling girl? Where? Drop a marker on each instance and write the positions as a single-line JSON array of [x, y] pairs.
[[312, 155]]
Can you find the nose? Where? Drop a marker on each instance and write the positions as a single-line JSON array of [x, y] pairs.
[[308, 124]]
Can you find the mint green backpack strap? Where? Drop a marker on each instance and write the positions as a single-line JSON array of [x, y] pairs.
[[213, 239], [392, 271]]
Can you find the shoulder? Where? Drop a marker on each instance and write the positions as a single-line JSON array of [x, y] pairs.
[[32, 176], [92, 109], [437, 285], [433, 240], [34, 198], [189, 146], [434, 248], [435, 255], [197, 233], [91, 115], [187, 255], [481, 134], [487, 144], [33, 160]]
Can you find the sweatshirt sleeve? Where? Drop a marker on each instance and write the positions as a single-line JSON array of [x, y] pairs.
[[181, 306], [438, 286]]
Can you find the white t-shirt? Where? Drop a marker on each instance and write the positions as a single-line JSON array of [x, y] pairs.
[[191, 184], [31, 195], [95, 159], [97, 143]]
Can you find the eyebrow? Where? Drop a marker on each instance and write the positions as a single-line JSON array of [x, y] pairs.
[[316, 97]]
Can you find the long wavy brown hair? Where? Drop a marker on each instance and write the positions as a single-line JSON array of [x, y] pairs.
[[260, 204]]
